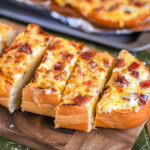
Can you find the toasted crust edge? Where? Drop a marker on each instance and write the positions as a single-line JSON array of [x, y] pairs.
[[122, 119], [75, 117]]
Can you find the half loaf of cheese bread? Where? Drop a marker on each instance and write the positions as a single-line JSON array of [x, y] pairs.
[[18, 63]]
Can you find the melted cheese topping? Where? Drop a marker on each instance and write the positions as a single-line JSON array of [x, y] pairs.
[[27, 48], [127, 97], [116, 10], [7, 34], [57, 66], [88, 79]]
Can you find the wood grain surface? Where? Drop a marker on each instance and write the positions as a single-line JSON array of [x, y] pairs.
[[38, 131]]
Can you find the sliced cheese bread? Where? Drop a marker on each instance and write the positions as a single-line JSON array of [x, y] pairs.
[[109, 13], [81, 94], [126, 99], [43, 94], [18, 63]]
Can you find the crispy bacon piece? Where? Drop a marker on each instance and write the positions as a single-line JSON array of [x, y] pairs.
[[133, 66], [106, 62], [59, 66], [87, 55], [145, 84], [82, 100], [89, 82], [67, 56], [137, 3], [25, 47], [120, 81], [45, 57], [34, 77], [58, 77], [143, 99], [119, 63], [54, 45], [113, 7]]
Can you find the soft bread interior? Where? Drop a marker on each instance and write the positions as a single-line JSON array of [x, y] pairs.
[[15, 96]]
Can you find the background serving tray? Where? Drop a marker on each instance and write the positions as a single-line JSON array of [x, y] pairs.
[[38, 131], [26, 13]]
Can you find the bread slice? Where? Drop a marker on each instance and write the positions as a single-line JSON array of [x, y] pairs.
[[126, 99], [107, 13], [80, 97], [18, 63], [44, 92], [7, 35]]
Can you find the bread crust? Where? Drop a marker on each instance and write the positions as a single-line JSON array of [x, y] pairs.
[[99, 20], [46, 103], [73, 117], [122, 119]]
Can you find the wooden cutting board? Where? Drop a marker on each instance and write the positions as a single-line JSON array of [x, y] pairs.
[[38, 131]]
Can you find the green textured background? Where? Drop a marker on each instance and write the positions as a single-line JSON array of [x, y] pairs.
[[142, 142]]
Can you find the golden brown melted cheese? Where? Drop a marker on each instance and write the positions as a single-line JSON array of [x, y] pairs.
[[7, 35], [128, 87], [115, 11], [57, 66], [88, 79], [18, 59]]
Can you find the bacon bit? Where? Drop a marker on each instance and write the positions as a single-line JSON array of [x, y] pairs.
[[89, 82], [17, 62], [87, 55], [143, 99], [46, 39], [67, 56], [121, 81], [145, 84], [133, 66], [34, 77], [53, 90], [25, 47], [135, 74], [48, 71], [119, 62], [82, 100], [45, 57], [101, 69], [58, 77], [54, 45], [106, 62], [59, 66], [113, 7], [93, 64], [106, 89], [80, 72], [137, 3], [98, 8]]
